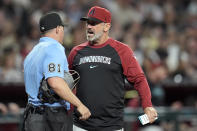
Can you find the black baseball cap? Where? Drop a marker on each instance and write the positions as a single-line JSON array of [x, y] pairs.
[[50, 21]]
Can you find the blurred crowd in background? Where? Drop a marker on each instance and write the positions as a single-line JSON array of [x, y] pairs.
[[163, 35]]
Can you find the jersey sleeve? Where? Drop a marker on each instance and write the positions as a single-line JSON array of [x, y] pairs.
[[73, 53], [135, 74], [55, 62], [71, 58]]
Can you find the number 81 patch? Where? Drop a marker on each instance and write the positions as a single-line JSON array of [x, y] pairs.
[[52, 67]]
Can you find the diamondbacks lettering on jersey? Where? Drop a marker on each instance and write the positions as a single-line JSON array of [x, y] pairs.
[[98, 59]]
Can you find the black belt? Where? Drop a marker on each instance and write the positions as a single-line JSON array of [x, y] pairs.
[[41, 109]]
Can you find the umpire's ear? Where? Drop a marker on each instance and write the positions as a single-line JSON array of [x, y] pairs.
[[57, 29], [106, 27]]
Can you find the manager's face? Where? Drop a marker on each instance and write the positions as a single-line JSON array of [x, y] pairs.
[[94, 30]]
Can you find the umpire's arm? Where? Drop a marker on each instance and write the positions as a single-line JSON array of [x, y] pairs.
[[61, 88]]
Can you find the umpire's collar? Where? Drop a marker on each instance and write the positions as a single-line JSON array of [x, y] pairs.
[[48, 39]]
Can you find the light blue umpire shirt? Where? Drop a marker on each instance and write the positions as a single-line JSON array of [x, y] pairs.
[[47, 59]]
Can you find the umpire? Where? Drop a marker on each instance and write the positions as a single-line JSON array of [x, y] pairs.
[[49, 96]]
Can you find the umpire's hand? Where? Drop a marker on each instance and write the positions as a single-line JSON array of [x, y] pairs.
[[84, 111], [151, 113]]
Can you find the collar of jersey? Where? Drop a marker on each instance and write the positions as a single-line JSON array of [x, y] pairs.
[[48, 39], [101, 45]]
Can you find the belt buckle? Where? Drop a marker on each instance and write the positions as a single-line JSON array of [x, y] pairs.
[[38, 110], [41, 109], [57, 109], [54, 109]]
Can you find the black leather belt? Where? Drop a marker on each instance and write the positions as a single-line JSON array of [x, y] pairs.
[[41, 109]]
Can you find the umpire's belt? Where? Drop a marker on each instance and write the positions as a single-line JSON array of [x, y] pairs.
[[41, 109]]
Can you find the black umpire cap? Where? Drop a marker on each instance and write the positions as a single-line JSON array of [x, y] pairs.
[[50, 21]]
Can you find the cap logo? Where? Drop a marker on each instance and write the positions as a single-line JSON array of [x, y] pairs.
[[92, 12]]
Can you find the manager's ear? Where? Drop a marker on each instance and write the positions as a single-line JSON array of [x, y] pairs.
[[107, 27]]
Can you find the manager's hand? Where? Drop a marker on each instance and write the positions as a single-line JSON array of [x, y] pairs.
[[151, 113], [84, 111]]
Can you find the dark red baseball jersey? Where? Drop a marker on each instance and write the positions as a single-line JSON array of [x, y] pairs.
[[101, 88]]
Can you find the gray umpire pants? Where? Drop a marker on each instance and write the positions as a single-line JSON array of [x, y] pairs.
[[47, 119]]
